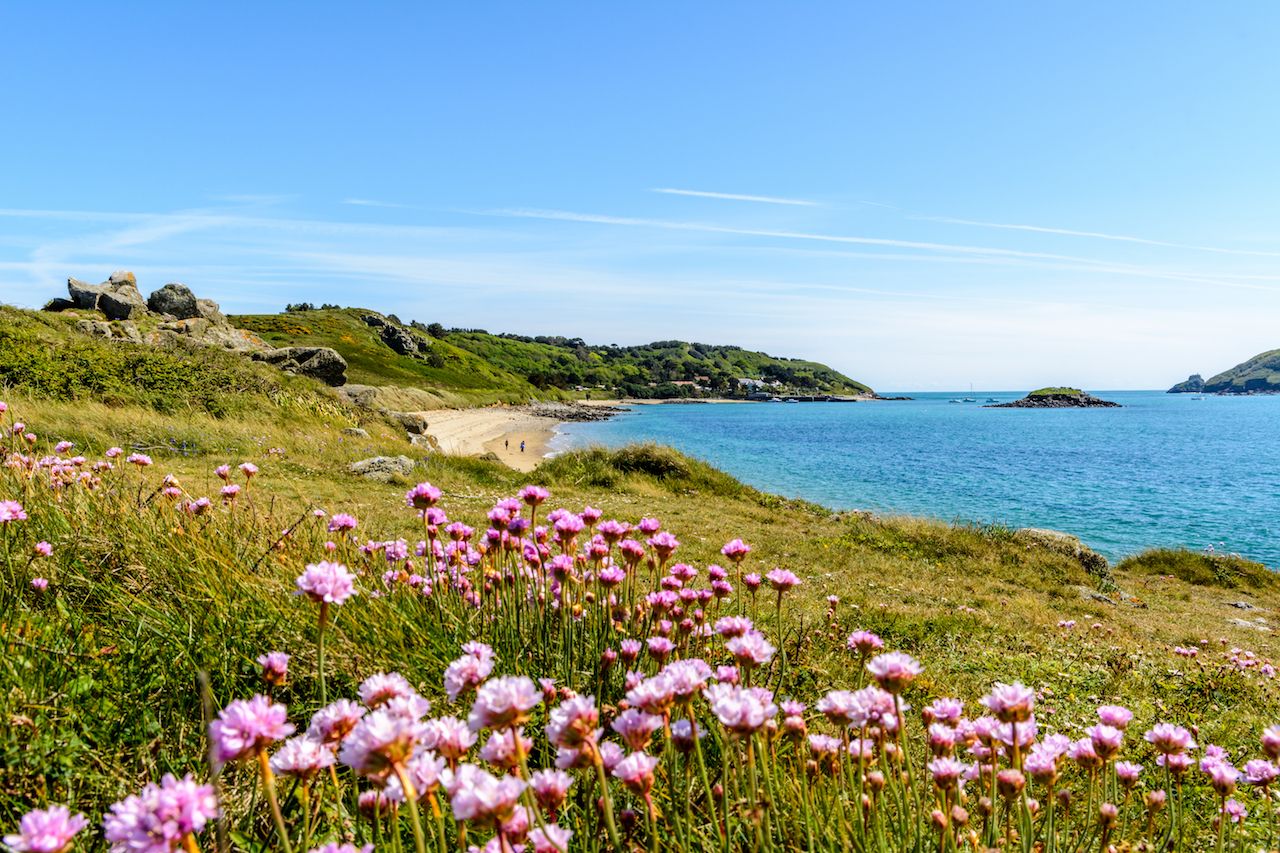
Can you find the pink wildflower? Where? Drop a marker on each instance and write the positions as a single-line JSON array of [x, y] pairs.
[[449, 736], [736, 550], [1115, 716], [1128, 773], [468, 671], [301, 758], [341, 522], [379, 742], [48, 830], [894, 670], [1010, 703], [550, 788], [751, 649], [947, 772], [741, 710], [11, 511], [504, 702], [636, 728], [550, 838], [636, 772], [335, 721], [40, 584], [478, 796], [248, 469], [275, 667], [573, 722], [246, 726], [380, 688], [864, 642], [1170, 739], [782, 580], [159, 817], [327, 582], [43, 549], [422, 497]]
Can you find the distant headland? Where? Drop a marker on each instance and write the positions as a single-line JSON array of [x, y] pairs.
[[1258, 375]]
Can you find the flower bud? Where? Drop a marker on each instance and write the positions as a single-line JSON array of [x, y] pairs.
[[984, 806], [939, 819], [876, 781], [1107, 814], [959, 816], [1155, 800]]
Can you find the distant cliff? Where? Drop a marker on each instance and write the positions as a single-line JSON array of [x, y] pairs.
[[1258, 375]]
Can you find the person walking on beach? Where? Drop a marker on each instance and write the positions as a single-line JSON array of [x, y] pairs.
[[506, 444], [522, 447]]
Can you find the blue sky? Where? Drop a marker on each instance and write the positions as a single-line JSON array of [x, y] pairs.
[[924, 195]]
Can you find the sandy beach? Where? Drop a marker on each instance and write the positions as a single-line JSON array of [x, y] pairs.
[[497, 430], [500, 430]]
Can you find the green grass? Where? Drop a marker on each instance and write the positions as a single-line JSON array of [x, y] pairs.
[[1056, 391], [480, 367], [1228, 571]]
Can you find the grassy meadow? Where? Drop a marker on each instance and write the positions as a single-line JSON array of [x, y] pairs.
[[153, 613]]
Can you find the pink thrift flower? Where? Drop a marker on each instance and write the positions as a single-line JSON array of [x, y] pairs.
[[248, 469], [335, 721], [160, 816], [636, 728], [11, 511], [504, 702], [636, 772], [1010, 703], [1169, 739], [468, 672], [230, 492], [782, 580], [275, 667], [343, 847], [1259, 772], [550, 788], [894, 670], [478, 796], [1271, 742], [422, 496], [142, 460], [327, 582], [736, 550], [663, 544], [40, 584], [741, 710], [751, 649], [550, 838], [380, 688], [449, 736], [223, 472], [301, 758], [1115, 716], [341, 522], [62, 447], [864, 642], [380, 741], [246, 726], [573, 722], [947, 772], [48, 830]]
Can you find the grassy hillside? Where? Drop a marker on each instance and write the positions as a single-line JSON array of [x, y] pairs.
[[477, 364], [1260, 373], [99, 686]]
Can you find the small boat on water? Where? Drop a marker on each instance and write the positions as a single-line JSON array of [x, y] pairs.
[[968, 400], [992, 400]]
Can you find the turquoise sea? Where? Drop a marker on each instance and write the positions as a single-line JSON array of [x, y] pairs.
[[1166, 469]]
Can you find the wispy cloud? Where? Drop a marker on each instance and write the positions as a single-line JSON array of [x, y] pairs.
[[762, 199], [1096, 235], [369, 202]]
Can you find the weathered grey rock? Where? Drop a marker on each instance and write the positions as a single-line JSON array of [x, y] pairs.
[[415, 423], [128, 332], [383, 468], [1256, 625], [174, 299], [209, 310], [1243, 605], [200, 331], [356, 432], [399, 340], [95, 328], [84, 294], [373, 320], [359, 395], [320, 363], [58, 304], [123, 277], [122, 302], [425, 442]]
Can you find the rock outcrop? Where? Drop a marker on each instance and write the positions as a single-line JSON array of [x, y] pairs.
[[176, 300], [118, 297], [1057, 398], [384, 469], [320, 363], [1193, 385]]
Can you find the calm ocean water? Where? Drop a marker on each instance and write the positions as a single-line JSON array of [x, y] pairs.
[[1164, 470]]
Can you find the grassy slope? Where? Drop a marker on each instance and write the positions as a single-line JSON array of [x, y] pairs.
[[97, 686], [1260, 372], [463, 378], [480, 367]]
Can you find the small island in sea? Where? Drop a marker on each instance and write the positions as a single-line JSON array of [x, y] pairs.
[[1057, 398], [1258, 375]]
